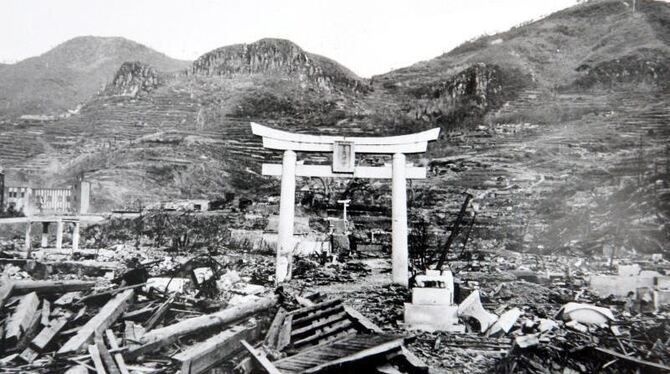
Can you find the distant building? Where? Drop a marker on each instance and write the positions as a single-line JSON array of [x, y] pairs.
[[51, 200], [32, 200], [16, 197]]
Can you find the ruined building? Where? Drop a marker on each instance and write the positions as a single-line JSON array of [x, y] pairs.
[[37, 200]]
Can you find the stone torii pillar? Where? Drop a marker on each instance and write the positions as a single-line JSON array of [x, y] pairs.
[[59, 234], [75, 237], [45, 235], [285, 240], [344, 151], [400, 252], [29, 244]]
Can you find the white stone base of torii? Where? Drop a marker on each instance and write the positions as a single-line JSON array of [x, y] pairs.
[[344, 152]]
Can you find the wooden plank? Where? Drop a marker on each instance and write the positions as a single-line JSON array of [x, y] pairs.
[[118, 357], [413, 360], [159, 314], [366, 353], [133, 334], [284, 337], [273, 332], [319, 324], [79, 369], [298, 314], [29, 355], [21, 318], [100, 322], [362, 320], [260, 359], [268, 132], [332, 329], [46, 312], [97, 361], [29, 333], [5, 291], [49, 287], [105, 355], [202, 356], [365, 172], [302, 321], [111, 292], [67, 298], [163, 336], [633, 359], [48, 333]]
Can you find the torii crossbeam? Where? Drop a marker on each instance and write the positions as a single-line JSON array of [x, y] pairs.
[[344, 166]]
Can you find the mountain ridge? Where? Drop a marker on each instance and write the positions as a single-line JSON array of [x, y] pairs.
[[71, 73]]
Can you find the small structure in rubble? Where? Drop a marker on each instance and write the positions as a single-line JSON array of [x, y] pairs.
[[432, 307]]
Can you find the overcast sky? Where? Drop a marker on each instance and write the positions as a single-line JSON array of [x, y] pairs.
[[369, 37]]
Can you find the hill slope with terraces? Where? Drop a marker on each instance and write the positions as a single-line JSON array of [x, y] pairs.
[[558, 127]]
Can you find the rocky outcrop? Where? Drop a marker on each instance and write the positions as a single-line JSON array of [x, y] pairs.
[[134, 78], [645, 67], [467, 94], [277, 56]]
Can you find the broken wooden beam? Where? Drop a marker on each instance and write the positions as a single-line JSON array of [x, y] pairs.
[[159, 314], [79, 369], [327, 331], [111, 292], [633, 359], [118, 357], [360, 355], [132, 335], [362, 320], [273, 332], [200, 357], [284, 336], [321, 306], [21, 318], [6, 289], [318, 314], [106, 357], [163, 336], [40, 342], [260, 359], [29, 333], [97, 361], [43, 287], [414, 361], [100, 322], [46, 312], [29, 355]]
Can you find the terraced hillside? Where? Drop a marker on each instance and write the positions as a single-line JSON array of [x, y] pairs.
[[559, 128]]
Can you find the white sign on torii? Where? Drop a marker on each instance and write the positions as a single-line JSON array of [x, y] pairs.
[[344, 150]]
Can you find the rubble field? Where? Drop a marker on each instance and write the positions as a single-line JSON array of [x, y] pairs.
[[135, 309]]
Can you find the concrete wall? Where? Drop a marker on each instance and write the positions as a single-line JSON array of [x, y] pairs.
[[51, 200], [619, 286], [81, 195]]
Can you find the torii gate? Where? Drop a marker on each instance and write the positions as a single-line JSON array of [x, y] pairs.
[[344, 155]]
